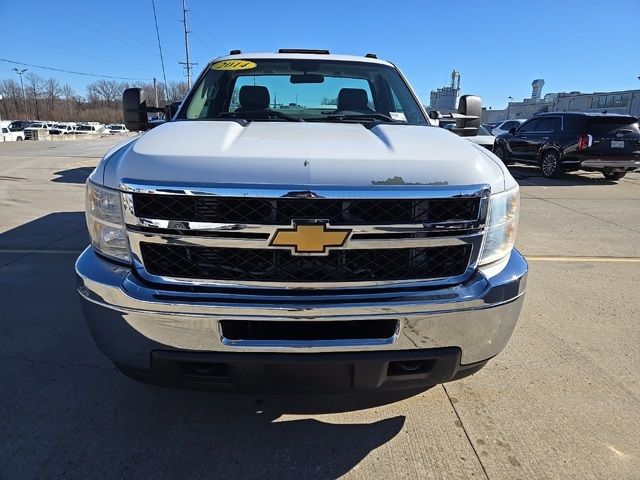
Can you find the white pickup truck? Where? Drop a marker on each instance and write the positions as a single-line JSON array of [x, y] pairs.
[[42, 127], [11, 131], [344, 244], [9, 134]]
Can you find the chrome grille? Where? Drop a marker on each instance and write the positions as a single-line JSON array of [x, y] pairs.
[[282, 211], [280, 266], [221, 235]]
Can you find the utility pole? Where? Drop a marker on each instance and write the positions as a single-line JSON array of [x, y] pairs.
[[24, 97], [187, 64]]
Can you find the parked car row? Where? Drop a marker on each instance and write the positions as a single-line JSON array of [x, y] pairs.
[[26, 130], [561, 142]]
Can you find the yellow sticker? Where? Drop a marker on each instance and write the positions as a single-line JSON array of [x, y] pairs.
[[234, 65]]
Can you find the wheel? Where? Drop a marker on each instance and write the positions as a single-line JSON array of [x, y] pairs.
[[550, 164], [501, 153], [609, 174], [19, 139]]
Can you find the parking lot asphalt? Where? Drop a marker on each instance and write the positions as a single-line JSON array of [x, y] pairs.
[[562, 401]]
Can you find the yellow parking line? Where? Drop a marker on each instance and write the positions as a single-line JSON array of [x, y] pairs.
[[584, 259], [48, 252], [85, 163]]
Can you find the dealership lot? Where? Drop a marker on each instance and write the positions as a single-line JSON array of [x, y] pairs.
[[562, 401]]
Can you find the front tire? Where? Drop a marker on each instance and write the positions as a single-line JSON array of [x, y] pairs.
[[550, 164], [611, 175], [501, 152], [19, 139]]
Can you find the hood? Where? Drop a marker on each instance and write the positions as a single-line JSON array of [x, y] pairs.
[[201, 153]]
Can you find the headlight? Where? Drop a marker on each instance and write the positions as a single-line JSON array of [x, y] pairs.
[[502, 223], [104, 221]]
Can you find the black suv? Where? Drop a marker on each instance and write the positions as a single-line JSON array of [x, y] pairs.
[[561, 142]]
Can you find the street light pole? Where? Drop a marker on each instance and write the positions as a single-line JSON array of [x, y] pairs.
[[24, 97]]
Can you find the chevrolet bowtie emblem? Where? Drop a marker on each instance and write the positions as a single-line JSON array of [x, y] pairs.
[[310, 238]]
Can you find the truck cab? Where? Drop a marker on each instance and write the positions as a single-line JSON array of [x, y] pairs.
[[300, 224], [63, 129], [10, 134]]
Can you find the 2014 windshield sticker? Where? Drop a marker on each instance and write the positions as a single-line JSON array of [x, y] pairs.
[[234, 65]]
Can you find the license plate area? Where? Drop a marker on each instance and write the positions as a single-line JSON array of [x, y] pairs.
[[317, 333], [617, 143]]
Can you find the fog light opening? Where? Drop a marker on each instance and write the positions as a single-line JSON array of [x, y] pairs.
[[410, 367], [218, 370]]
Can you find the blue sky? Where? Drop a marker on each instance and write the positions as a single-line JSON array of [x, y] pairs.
[[574, 45]]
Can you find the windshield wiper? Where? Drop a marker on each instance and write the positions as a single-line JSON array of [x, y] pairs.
[[361, 117], [260, 115]]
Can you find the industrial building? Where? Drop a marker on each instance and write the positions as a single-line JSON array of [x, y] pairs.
[[625, 102], [445, 99]]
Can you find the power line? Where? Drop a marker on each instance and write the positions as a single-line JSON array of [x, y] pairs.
[[204, 27], [164, 76], [69, 71], [110, 34]]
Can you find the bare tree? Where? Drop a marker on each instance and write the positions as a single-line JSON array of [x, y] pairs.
[[35, 89], [69, 96], [10, 89], [93, 95], [101, 102], [107, 92], [52, 92], [177, 91]]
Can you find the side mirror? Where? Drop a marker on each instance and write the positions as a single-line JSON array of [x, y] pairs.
[[434, 114], [134, 109], [513, 130], [470, 106]]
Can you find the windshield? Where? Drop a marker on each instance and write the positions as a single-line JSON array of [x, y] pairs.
[[483, 131], [303, 90]]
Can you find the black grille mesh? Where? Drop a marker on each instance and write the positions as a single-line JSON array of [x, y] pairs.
[[282, 210], [281, 266]]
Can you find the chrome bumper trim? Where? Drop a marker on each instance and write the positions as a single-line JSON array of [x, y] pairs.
[[354, 244], [478, 315], [610, 163], [312, 191]]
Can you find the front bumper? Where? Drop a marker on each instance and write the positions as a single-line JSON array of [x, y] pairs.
[[135, 324]]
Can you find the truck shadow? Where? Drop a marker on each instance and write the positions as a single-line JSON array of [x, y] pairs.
[[528, 175], [73, 175], [68, 412]]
